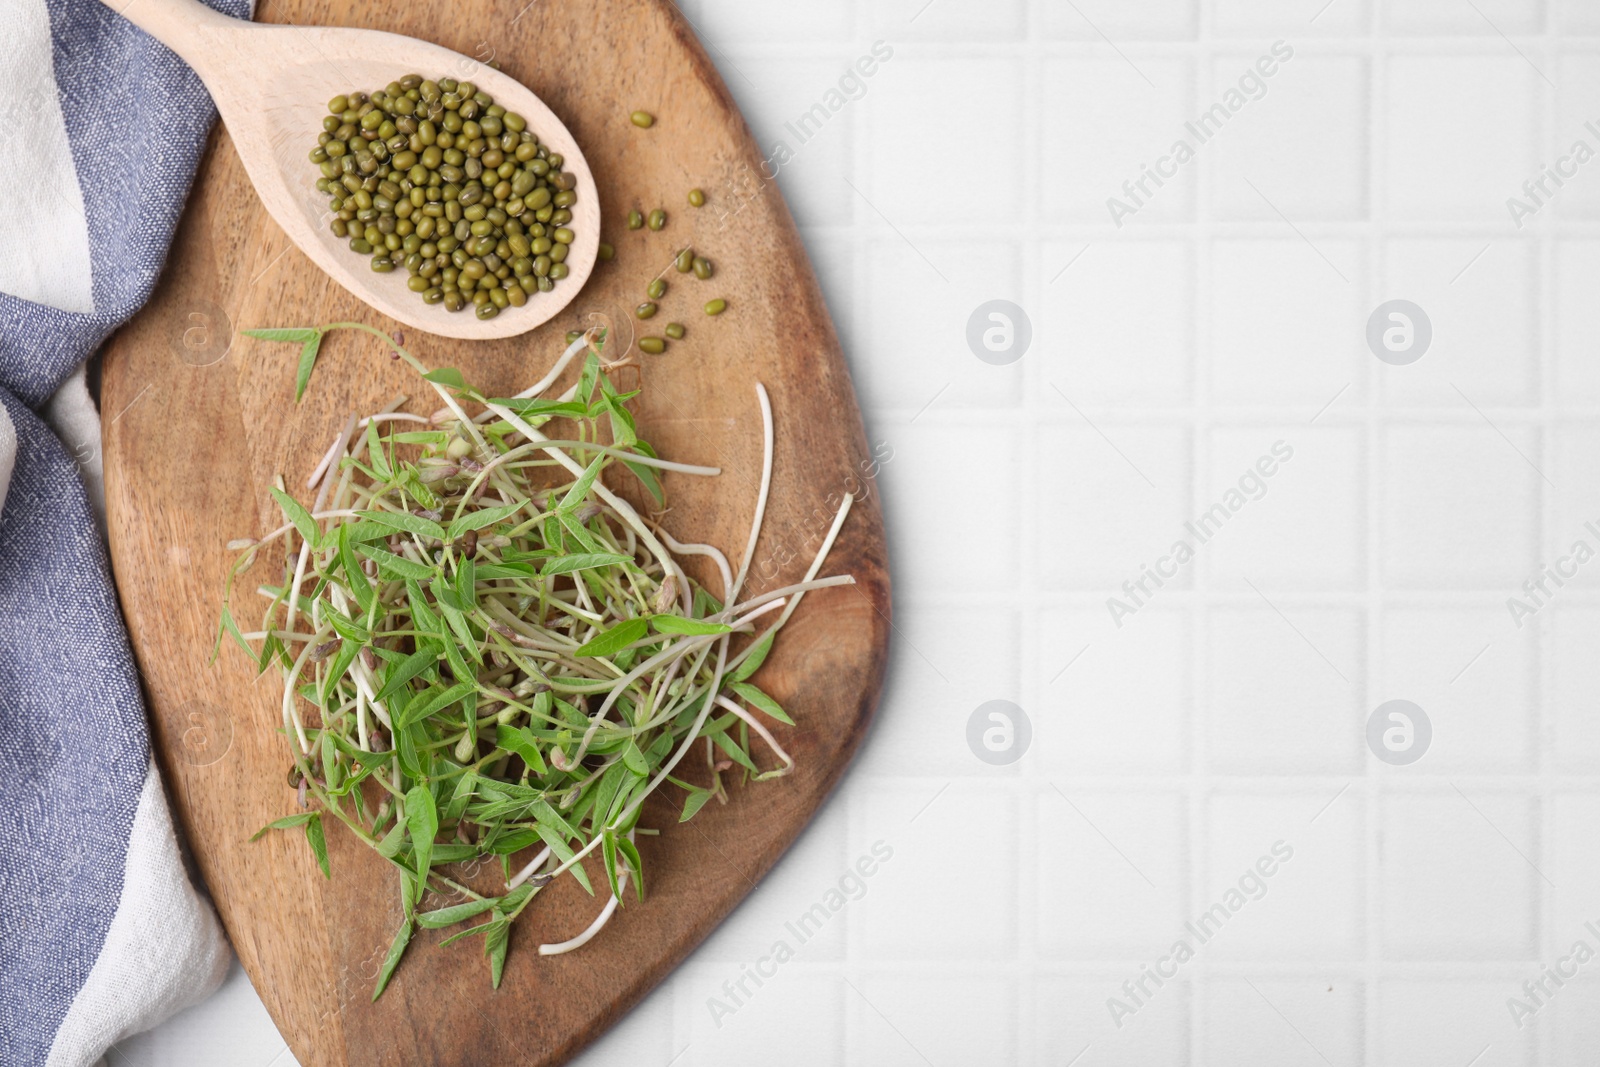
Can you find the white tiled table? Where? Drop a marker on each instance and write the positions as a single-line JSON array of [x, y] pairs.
[[1229, 712]]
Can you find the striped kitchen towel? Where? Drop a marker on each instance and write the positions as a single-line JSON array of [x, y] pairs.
[[101, 934]]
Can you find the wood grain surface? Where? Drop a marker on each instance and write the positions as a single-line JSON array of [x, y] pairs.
[[199, 421]]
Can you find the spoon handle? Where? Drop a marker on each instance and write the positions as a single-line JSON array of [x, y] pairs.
[[201, 36]]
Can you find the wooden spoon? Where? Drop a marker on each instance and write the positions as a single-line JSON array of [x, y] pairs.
[[272, 84]]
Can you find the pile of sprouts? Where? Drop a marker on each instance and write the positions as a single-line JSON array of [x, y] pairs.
[[491, 659]]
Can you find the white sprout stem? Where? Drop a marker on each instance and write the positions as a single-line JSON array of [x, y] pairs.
[[294, 587], [361, 720], [811, 576], [555, 372], [691, 549], [761, 497], [594, 927], [822, 554], [777, 749], [795, 590], [527, 872], [291, 714], [329, 458], [336, 513]]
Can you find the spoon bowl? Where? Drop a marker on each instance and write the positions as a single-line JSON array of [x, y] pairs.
[[272, 83]]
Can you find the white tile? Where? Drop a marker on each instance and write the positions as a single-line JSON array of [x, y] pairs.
[[1481, 709], [1573, 1018], [815, 152], [1285, 509], [1103, 124], [739, 20], [939, 674], [725, 1024], [1576, 679], [1457, 880], [919, 499], [927, 902], [1462, 130], [1491, 19], [1281, 333], [812, 866], [1118, 322], [1565, 183], [1460, 506], [1308, 1021], [1091, 499], [1573, 865], [1072, 1015], [1272, 706], [1575, 459], [1279, 885], [918, 351], [1483, 309], [1296, 18], [643, 1035], [921, 1018], [1122, 706], [1449, 1021], [1087, 20], [1299, 136], [1113, 873], [1577, 16], [1577, 340], [918, 117], [946, 20]]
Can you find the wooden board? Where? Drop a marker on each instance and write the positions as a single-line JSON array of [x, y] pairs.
[[191, 449]]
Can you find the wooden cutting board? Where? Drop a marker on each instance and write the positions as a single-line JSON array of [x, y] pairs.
[[198, 422]]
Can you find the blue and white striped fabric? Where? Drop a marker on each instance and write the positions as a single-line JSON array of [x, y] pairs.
[[100, 932]]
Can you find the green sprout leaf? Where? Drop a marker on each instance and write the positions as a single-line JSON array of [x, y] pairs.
[[296, 513], [397, 948], [615, 639]]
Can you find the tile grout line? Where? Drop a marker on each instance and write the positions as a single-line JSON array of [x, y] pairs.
[[1372, 799]]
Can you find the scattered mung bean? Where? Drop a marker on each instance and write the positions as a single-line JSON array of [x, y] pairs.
[[674, 330], [716, 307], [653, 345]]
